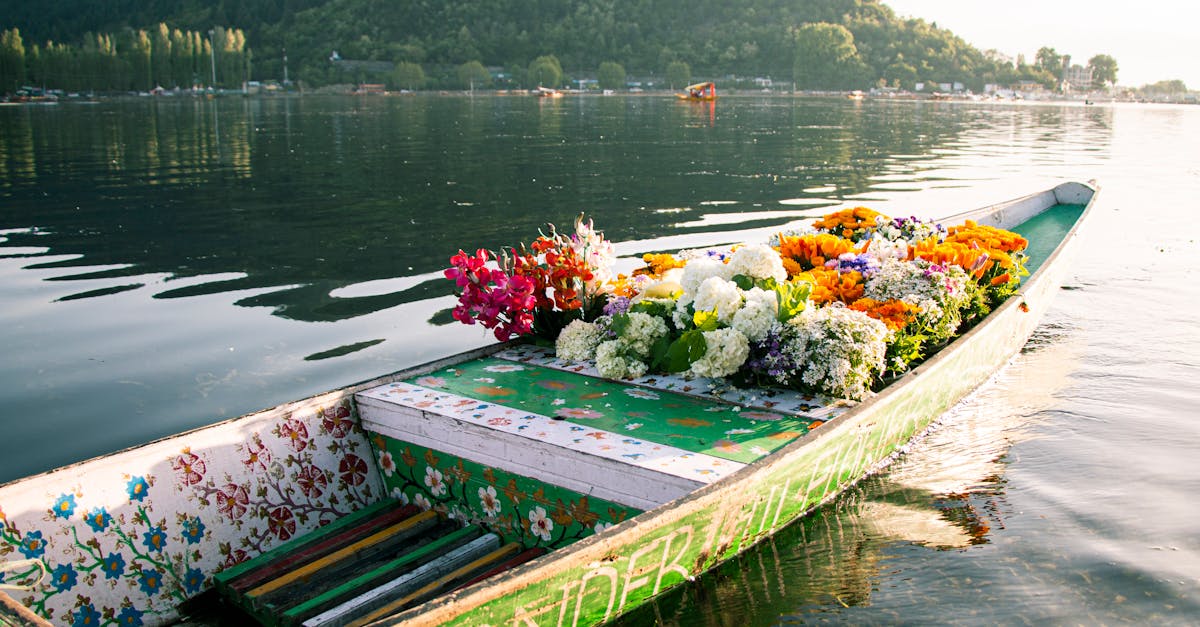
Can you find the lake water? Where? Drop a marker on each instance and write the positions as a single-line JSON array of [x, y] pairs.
[[165, 264]]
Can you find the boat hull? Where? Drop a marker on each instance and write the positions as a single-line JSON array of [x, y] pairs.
[[134, 534]]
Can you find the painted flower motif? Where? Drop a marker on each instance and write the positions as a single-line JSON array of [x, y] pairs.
[[129, 615], [540, 524], [727, 446], [281, 523], [137, 488], [641, 393], [312, 481], [602, 525], [193, 580], [193, 530], [488, 499], [433, 481], [552, 384], [63, 577], [433, 382], [504, 368], [336, 421], [113, 566], [760, 451], [387, 463], [633, 426], [189, 467], [98, 519], [399, 494], [499, 421], [32, 544], [235, 557], [150, 581], [420, 501], [577, 412], [232, 500], [155, 539], [352, 469], [295, 433], [85, 616], [477, 380], [64, 506], [739, 431], [257, 455]]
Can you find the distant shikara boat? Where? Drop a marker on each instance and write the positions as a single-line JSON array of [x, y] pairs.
[[493, 487], [699, 91]]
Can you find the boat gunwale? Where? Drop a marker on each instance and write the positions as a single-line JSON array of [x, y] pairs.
[[623, 533]]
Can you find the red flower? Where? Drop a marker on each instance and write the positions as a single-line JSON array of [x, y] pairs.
[[232, 500], [258, 455], [235, 557], [353, 469], [281, 522], [312, 481], [296, 434], [189, 467], [336, 421]]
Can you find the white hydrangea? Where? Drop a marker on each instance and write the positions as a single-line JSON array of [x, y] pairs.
[[698, 271], [727, 351], [719, 294], [758, 313], [757, 261], [842, 350], [641, 333], [613, 363], [578, 341]]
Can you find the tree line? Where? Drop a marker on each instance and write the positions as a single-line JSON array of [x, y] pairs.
[[817, 44], [132, 60]]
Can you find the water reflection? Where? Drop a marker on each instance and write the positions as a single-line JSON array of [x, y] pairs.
[[227, 255], [946, 494]]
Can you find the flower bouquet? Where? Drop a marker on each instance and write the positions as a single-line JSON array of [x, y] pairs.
[[831, 309]]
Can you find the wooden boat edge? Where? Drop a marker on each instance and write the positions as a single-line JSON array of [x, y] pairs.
[[596, 549]]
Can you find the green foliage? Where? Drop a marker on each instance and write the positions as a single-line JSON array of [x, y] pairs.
[[822, 44], [472, 75], [679, 74], [611, 75], [1049, 60], [12, 60], [408, 75], [826, 57], [686, 350], [1104, 69], [545, 71]]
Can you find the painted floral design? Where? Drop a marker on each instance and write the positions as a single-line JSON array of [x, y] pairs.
[[540, 525], [129, 548], [578, 413], [506, 504]]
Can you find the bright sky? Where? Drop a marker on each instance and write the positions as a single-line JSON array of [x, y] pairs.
[[1152, 40]]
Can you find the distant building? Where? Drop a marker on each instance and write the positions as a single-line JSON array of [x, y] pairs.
[[1077, 78]]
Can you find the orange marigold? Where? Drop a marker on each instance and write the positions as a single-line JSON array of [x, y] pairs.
[[811, 251], [658, 263], [848, 221], [895, 314], [829, 285]]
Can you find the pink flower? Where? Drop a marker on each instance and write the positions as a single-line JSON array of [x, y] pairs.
[[336, 421], [189, 467], [281, 522], [258, 455], [312, 481], [352, 469], [295, 433], [232, 500]]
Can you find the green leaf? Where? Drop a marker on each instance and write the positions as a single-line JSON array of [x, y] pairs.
[[792, 297], [705, 320], [659, 354], [742, 281], [684, 351], [619, 324]]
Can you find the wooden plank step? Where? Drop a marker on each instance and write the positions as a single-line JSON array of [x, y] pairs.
[[375, 577], [516, 560], [224, 578], [307, 549], [445, 583], [414, 582], [329, 570]]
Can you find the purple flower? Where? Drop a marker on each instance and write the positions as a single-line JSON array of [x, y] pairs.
[[616, 305]]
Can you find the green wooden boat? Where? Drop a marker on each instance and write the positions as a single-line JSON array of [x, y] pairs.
[[501, 486]]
